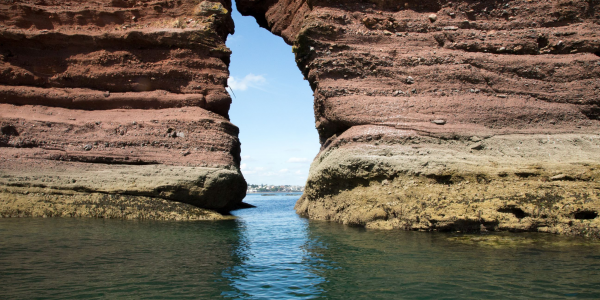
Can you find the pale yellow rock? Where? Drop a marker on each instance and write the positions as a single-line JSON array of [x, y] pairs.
[[444, 185], [118, 191]]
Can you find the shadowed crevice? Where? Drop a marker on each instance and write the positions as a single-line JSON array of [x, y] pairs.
[[585, 215], [519, 213], [9, 130]]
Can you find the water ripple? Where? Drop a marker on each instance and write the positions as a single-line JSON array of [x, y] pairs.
[[271, 253]]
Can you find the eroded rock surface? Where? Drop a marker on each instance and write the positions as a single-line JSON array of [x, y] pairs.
[[116, 108], [439, 115]]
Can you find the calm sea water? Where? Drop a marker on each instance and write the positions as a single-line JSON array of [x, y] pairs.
[[271, 253]]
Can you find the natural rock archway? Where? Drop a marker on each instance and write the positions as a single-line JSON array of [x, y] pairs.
[[432, 115], [439, 115]]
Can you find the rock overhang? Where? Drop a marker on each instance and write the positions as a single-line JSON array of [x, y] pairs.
[[432, 97]]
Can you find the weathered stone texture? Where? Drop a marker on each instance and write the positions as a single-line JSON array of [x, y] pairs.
[[90, 91], [469, 110]]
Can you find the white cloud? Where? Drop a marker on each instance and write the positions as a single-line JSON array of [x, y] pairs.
[[299, 172], [234, 38], [251, 80], [249, 170], [247, 158], [299, 160], [283, 171]]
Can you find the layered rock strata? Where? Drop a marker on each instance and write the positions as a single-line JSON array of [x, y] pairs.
[[439, 115], [117, 108]]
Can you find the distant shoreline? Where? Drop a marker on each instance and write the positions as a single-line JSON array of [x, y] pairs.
[[273, 193]]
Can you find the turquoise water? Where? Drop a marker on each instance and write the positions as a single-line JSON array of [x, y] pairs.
[[271, 253]]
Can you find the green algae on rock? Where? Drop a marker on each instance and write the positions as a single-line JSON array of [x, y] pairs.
[[427, 184], [36, 202]]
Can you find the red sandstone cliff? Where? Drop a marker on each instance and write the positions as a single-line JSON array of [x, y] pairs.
[[439, 115], [116, 97]]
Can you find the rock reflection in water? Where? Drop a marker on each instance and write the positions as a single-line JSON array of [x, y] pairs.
[[60, 258], [377, 264], [271, 253]]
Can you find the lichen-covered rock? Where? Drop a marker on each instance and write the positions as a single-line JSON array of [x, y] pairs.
[[439, 115], [117, 97]]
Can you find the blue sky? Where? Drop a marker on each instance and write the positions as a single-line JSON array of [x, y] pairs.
[[272, 106]]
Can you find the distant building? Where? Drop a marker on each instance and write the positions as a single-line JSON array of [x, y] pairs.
[[262, 188]]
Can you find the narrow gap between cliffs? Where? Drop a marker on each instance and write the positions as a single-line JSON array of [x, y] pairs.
[[272, 105]]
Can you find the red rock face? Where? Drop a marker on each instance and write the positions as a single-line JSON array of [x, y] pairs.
[[117, 82], [451, 79], [115, 54], [487, 67]]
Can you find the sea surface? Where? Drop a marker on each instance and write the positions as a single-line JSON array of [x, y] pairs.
[[271, 253]]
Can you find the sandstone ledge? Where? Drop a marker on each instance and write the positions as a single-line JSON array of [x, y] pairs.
[[186, 155], [545, 183], [18, 202], [119, 191]]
